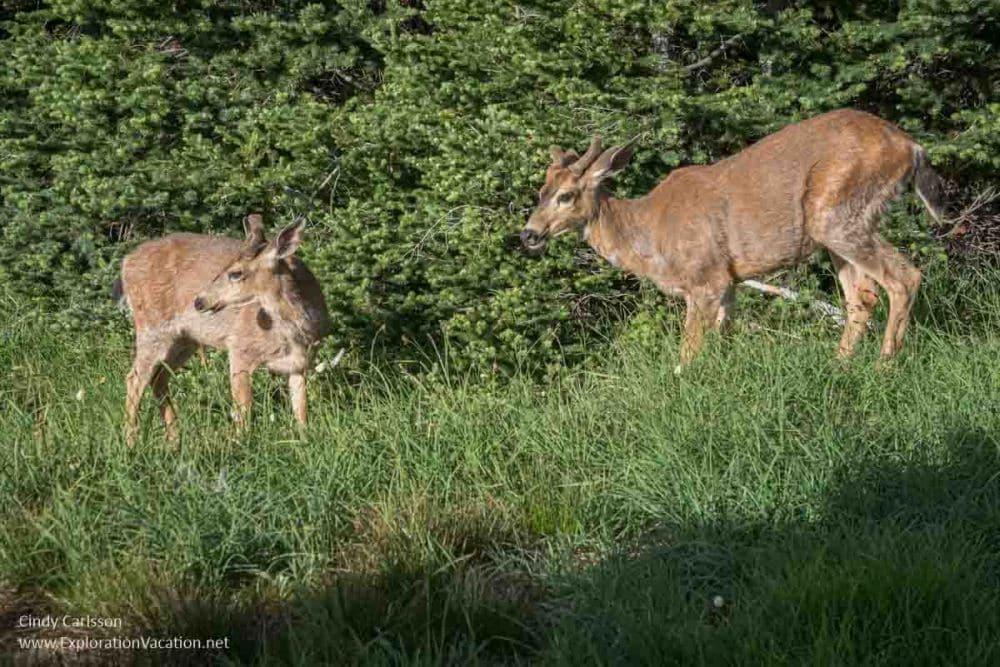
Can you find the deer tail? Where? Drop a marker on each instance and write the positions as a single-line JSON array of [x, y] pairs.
[[929, 186], [118, 294]]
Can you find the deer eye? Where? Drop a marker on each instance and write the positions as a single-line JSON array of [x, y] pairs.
[[235, 276], [566, 197]]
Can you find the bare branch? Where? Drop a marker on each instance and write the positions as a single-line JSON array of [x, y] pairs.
[[964, 220], [707, 60], [822, 306]]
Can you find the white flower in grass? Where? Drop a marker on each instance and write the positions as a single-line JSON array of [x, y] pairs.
[[81, 394], [718, 602], [324, 366], [220, 483]]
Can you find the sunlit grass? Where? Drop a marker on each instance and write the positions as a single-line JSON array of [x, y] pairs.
[[769, 504]]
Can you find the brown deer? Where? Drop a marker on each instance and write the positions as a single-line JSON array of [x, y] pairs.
[[255, 299], [824, 182]]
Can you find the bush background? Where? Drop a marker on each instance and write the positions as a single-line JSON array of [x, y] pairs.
[[843, 515], [418, 132]]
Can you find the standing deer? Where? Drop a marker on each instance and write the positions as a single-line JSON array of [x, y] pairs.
[[820, 182], [255, 299]]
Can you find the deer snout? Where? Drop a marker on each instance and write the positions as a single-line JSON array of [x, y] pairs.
[[532, 240]]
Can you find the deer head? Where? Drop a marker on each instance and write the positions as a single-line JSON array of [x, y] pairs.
[[572, 192], [259, 271]]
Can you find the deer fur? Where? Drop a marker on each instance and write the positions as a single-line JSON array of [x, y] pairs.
[[822, 182], [255, 299]]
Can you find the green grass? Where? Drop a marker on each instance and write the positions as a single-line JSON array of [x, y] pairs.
[[846, 514]]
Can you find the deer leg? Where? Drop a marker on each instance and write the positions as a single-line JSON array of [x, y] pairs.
[[161, 379], [241, 385], [907, 281], [176, 358], [856, 241], [860, 297], [727, 305], [136, 381], [297, 389], [898, 278], [702, 313], [149, 353]]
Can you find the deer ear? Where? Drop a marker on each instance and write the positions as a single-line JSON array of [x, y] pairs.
[[288, 240], [561, 158], [611, 162], [253, 225], [579, 168]]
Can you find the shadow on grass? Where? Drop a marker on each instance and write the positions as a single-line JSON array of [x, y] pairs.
[[900, 565], [462, 615]]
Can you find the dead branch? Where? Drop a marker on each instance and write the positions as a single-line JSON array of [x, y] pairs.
[[964, 220], [707, 60], [827, 309]]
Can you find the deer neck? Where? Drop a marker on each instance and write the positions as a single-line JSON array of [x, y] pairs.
[[618, 235], [283, 313]]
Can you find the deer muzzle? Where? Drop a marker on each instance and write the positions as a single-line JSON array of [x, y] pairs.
[[532, 241], [203, 306]]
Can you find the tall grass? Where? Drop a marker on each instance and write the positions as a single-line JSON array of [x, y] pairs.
[[767, 505]]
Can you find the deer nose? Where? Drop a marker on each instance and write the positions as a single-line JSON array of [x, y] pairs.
[[530, 238], [199, 304]]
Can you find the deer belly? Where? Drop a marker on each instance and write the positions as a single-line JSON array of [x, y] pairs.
[[770, 252], [291, 359]]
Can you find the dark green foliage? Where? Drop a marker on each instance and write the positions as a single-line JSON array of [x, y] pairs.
[[420, 130], [122, 120]]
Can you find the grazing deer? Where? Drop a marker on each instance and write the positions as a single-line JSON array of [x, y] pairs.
[[820, 182], [253, 298]]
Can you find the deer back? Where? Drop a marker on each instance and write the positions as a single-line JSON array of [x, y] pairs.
[[752, 210], [163, 278]]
